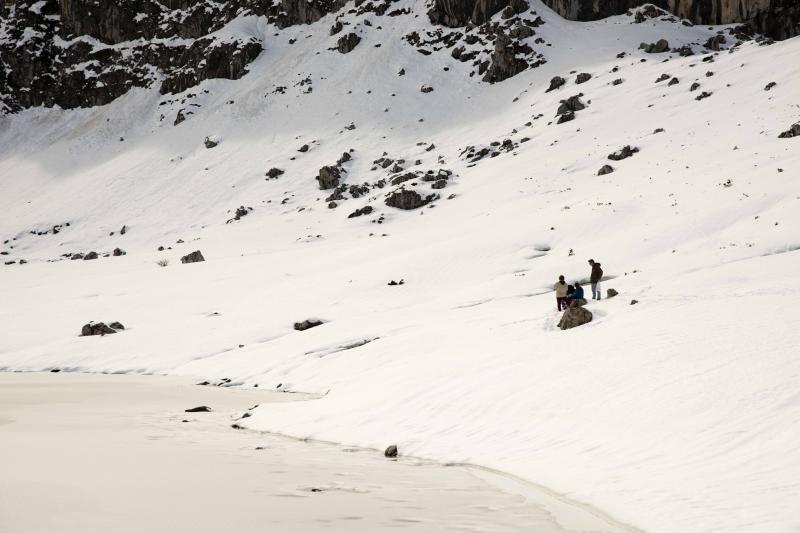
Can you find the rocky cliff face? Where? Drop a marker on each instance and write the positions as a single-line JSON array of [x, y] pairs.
[[83, 53], [779, 19]]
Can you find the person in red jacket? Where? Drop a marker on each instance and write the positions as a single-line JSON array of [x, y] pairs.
[[594, 279]]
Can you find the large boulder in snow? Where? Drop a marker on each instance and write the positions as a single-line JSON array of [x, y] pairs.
[[328, 177], [407, 200], [575, 316], [347, 43]]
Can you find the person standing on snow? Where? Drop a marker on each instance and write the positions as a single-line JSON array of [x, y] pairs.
[[594, 278], [561, 293]]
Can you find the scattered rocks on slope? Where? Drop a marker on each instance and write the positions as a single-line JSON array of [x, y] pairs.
[[605, 169], [347, 43], [307, 324], [574, 317], [407, 200], [657, 47], [100, 328], [793, 131], [713, 43], [194, 257], [703, 95], [555, 83], [241, 211], [623, 153], [567, 108]]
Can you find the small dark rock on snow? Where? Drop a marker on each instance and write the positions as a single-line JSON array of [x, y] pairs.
[[605, 169], [210, 143], [583, 77], [657, 47], [555, 83], [307, 324], [90, 256], [273, 173], [118, 252], [194, 257], [100, 328], [623, 153], [610, 293], [366, 210], [391, 451], [198, 409]]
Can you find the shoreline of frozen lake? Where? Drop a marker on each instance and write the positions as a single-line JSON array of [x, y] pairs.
[[112, 453]]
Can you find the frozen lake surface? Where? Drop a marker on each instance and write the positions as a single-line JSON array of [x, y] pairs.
[[117, 453]]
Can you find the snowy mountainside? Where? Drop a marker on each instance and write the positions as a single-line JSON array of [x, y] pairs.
[[678, 413]]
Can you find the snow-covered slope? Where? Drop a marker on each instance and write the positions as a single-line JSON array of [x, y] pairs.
[[679, 413]]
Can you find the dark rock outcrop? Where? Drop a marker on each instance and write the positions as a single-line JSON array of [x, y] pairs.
[[505, 62], [391, 451], [456, 13], [778, 19], [194, 257]]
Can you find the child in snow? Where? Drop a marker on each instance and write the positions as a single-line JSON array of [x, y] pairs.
[[561, 293], [594, 278]]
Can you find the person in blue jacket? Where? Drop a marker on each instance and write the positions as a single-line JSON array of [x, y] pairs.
[[577, 295]]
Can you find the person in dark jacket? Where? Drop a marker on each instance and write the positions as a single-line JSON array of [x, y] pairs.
[[594, 278]]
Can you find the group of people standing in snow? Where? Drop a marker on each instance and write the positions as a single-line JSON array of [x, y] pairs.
[[572, 295]]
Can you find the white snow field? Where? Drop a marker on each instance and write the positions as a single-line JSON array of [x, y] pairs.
[[678, 414]]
